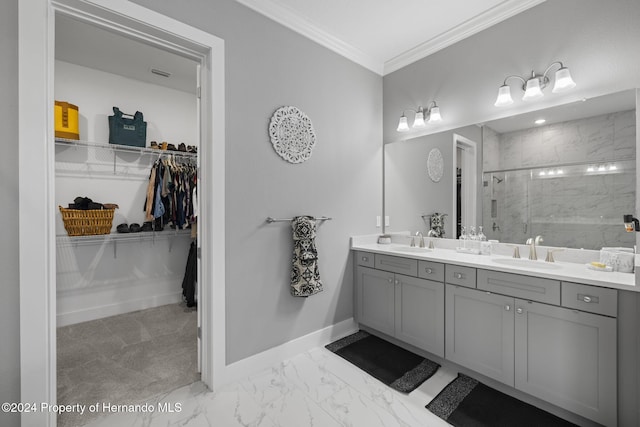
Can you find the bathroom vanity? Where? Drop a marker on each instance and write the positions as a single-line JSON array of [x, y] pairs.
[[550, 330]]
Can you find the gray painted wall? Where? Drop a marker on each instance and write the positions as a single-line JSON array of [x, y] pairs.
[[9, 302], [598, 40], [269, 66]]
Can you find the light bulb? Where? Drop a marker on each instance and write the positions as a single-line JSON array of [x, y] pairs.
[[563, 81], [504, 96], [403, 126], [533, 90], [434, 115], [418, 122]]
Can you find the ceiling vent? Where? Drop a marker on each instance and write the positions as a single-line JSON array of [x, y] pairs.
[[160, 72]]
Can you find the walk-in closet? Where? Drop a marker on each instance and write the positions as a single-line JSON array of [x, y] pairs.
[[127, 309]]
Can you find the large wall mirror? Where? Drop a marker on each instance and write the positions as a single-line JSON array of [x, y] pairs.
[[411, 194], [569, 178]]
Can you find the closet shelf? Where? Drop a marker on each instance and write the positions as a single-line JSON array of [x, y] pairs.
[[65, 240], [122, 148]]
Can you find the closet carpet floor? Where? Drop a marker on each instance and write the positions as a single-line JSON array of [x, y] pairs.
[[125, 359]]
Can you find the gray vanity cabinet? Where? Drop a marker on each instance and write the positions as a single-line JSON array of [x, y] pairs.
[[420, 313], [375, 297], [403, 306], [480, 332], [567, 357]]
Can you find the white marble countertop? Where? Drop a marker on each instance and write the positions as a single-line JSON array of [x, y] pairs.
[[560, 270]]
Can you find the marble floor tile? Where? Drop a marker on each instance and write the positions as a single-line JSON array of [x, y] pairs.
[[295, 409], [313, 379], [268, 385]]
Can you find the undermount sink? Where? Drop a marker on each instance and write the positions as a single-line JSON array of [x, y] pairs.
[[413, 249], [526, 263]]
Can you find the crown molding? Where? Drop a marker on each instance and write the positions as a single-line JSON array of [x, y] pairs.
[[468, 28], [295, 22], [290, 19]]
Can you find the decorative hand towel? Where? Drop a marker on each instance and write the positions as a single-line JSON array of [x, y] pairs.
[[305, 275]]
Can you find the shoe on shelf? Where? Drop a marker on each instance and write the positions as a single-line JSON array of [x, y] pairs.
[[171, 147], [147, 226], [155, 145], [134, 228], [164, 145], [122, 228], [182, 147]]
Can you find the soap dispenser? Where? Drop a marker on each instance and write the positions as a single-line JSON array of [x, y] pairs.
[[631, 224]]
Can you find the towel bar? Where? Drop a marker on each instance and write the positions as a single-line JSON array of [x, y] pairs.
[[270, 219]]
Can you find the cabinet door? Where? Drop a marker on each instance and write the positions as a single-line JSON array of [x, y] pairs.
[[375, 299], [567, 357], [479, 332], [420, 313]]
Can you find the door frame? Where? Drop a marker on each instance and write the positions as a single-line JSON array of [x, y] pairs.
[[36, 44], [469, 189]]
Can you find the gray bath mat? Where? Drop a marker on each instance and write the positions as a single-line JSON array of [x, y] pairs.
[[466, 402], [394, 366]]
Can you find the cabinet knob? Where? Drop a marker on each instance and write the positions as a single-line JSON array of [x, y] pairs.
[[586, 298], [390, 280], [428, 270], [397, 282], [365, 259], [458, 275], [519, 310], [507, 307]]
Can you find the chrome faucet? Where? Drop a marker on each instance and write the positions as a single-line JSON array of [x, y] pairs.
[[532, 246], [419, 234]]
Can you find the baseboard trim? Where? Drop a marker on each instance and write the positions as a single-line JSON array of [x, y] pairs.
[[258, 362], [93, 313]]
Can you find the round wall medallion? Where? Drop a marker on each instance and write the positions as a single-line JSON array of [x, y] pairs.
[[435, 165], [292, 134]]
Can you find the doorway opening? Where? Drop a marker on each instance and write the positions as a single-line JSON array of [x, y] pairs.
[[465, 182], [125, 301], [37, 176]]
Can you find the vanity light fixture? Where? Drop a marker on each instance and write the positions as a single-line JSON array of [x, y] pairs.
[[534, 85], [432, 113]]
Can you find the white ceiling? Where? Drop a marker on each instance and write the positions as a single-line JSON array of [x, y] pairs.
[[386, 35], [606, 104], [381, 35], [91, 46]]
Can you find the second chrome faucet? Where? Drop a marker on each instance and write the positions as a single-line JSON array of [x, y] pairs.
[[532, 246]]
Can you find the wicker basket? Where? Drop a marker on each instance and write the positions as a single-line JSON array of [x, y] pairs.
[[87, 222]]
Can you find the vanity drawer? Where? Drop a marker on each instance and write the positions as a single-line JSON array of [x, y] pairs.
[[462, 276], [590, 298], [396, 264], [524, 287], [431, 270], [364, 259]]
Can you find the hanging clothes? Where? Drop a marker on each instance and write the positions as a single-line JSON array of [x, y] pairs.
[[190, 276], [170, 194], [305, 274]]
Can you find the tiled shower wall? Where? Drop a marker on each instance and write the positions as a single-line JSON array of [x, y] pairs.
[[578, 209]]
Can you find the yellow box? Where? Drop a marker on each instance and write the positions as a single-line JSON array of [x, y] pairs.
[[66, 120]]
